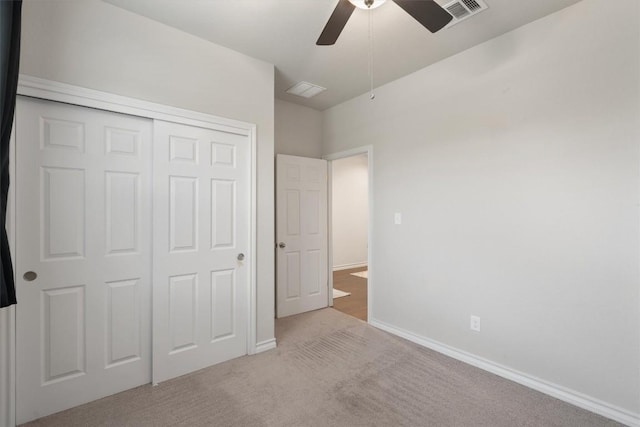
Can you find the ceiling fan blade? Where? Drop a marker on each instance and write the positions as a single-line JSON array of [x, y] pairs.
[[427, 12], [336, 23]]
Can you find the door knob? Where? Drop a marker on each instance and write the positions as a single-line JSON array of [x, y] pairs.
[[240, 257], [30, 276], [282, 245]]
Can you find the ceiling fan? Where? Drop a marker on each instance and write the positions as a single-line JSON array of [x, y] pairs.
[[427, 12]]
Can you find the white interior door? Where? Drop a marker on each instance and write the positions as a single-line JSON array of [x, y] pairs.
[[201, 270], [301, 230], [83, 227]]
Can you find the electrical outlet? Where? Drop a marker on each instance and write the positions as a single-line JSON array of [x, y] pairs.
[[475, 323], [397, 218]]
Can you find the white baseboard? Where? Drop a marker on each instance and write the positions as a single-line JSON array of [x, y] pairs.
[[265, 345], [570, 396], [348, 266]]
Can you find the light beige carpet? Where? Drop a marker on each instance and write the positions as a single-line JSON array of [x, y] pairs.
[[364, 274], [331, 369]]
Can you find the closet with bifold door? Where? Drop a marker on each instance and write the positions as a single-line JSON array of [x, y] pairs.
[[132, 241]]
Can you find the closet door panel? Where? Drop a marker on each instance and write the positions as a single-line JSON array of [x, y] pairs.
[[201, 269], [83, 258]]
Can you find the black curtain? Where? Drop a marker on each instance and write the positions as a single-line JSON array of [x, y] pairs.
[[10, 14]]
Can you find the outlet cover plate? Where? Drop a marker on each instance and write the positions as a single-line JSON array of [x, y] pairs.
[[475, 323], [397, 218]]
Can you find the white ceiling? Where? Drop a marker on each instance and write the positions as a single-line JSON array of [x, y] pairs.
[[284, 32]]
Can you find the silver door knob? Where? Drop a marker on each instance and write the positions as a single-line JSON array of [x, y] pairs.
[[282, 245], [240, 257], [30, 276]]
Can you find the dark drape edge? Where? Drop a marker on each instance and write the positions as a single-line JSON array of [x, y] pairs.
[[10, 51]]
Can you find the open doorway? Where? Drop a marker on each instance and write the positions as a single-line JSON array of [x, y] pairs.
[[349, 233]]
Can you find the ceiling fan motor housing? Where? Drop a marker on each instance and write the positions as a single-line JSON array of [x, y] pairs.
[[367, 4], [427, 12]]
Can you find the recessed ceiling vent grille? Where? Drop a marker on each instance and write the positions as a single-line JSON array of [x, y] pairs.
[[458, 10], [472, 5], [463, 9], [305, 89]]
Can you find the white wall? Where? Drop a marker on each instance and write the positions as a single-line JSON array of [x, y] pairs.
[[350, 211], [99, 46], [298, 130], [515, 166]]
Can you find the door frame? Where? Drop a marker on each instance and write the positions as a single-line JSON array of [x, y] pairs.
[[61, 92], [368, 150]]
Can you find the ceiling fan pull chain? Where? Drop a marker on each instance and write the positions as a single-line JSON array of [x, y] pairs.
[[371, 94]]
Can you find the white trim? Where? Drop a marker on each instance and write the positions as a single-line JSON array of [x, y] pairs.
[[559, 392], [368, 150], [349, 266], [12, 204], [252, 345], [262, 346], [330, 231], [7, 367], [61, 92], [8, 315]]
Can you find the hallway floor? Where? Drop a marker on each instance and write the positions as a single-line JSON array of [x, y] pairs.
[[355, 304]]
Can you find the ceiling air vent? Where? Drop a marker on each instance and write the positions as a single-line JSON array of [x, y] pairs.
[[463, 9], [472, 5], [305, 89]]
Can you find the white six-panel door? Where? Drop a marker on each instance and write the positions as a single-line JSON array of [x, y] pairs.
[[201, 248], [83, 257], [301, 230]]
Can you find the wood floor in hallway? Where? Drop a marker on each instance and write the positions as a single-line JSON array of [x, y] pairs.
[[355, 304]]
